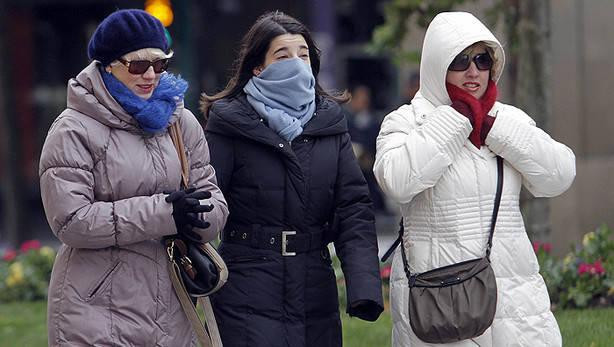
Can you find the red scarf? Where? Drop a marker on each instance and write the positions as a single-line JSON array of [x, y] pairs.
[[482, 122]]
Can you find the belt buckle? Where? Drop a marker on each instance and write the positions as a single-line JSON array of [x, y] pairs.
[[284, 243]]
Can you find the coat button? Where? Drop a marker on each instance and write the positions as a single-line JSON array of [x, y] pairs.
[[305, 140], [281, 145], [272, 241], [244, 236]]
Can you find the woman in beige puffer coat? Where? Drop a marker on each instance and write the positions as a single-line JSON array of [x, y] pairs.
[[103, 172]]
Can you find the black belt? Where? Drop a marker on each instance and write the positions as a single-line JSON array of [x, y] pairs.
[[287, 242]]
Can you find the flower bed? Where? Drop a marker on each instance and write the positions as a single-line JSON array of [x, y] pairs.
[[585, 276], [25, 273]]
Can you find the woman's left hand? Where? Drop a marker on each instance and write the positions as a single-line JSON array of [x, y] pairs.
[[486, 126], [368, 310]]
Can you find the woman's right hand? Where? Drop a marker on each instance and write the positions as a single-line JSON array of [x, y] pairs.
[[186, 207]]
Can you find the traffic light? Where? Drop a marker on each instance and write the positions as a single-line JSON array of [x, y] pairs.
[[160, 9]]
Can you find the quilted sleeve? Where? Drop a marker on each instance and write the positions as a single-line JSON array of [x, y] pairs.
[[67, 191], [548, 167], [413, 151], [356, 241]]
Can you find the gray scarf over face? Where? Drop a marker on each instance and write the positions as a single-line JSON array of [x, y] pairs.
[[284, 95]]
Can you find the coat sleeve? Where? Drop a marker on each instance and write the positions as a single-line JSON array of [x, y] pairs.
[[203, 176], [413, 151], [356, 240], [67, 191], [548, 167]]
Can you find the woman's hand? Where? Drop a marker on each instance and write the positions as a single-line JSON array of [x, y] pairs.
[[464, 109], [186, 207], [486, 126], [368, 310]]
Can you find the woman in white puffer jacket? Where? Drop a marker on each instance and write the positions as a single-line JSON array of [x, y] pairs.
[[437, 158]]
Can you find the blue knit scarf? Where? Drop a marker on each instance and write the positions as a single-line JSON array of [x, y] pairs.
[[284, 95], [154, 113]]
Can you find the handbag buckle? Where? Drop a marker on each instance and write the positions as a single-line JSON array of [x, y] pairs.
[[284, 243], [170, 249]]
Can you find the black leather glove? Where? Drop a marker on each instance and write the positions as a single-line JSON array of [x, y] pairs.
[[368, 310], [186, 206]]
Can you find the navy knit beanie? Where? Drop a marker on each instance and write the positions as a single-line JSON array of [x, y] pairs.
[[125, 31]]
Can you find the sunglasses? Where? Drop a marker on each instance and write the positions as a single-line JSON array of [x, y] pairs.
[[482, 61], [139, 67]]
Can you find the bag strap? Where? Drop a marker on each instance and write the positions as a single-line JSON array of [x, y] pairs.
[[495, 210], [395, 244], [175, 133], [493, 221], [210, 338], [190, 310]]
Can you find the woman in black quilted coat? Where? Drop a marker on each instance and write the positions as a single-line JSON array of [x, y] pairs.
[[284, 161]]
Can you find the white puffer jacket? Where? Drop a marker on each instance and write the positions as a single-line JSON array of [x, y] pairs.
[[446, 189]]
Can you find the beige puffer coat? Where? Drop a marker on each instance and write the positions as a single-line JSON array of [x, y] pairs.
[[101, 181]]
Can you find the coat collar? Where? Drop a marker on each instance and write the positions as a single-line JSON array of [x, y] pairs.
[[88, 95], [236, 117]]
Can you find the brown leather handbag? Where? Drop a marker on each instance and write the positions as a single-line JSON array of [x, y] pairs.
[[458, 301]]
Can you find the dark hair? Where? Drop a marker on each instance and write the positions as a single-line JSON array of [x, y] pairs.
[[254, 47]]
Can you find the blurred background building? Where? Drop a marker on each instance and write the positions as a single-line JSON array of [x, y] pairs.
[[44, 44]]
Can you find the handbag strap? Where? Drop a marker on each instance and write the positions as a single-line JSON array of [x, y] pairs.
[[207, 333], [493, 220], [188, 307], [495, 210], [175, 133]]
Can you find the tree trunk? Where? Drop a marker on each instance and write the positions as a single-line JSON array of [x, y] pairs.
[[528, 28]]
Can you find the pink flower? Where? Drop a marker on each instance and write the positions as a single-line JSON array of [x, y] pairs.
[[547, 247], [583, 268], [385, 271], [598, 268], [536, 246], [30, 245], [9, 255], [593, 269]]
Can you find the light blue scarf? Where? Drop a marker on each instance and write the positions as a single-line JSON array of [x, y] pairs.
[[154, 113], [284, 95]]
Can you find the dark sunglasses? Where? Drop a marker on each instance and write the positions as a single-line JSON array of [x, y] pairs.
[[482, 61], [139, 67]]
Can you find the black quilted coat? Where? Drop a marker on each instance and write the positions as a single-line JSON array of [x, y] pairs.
[[312, 184]]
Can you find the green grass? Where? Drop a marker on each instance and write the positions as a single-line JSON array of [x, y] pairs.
[[358, 333], [23, 324], [590, 328]]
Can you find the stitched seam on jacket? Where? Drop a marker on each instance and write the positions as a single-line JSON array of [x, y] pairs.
[[114, 215], [59, 305], [69, 220], [105, 165]]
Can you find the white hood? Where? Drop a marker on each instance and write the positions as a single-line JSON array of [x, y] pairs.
[[449, 34]]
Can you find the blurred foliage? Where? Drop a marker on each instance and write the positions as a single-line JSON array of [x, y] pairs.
[[402, 15], [399, 16], [585, 276], [25, 273]]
